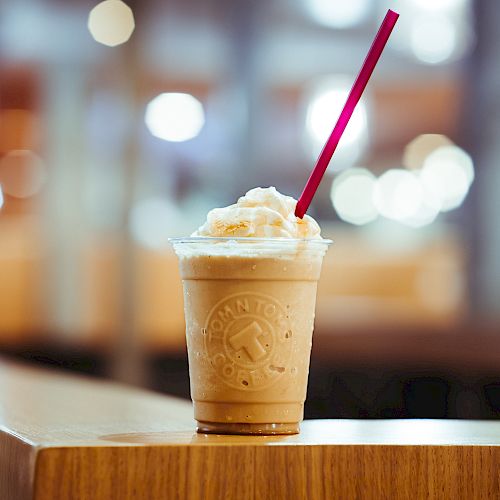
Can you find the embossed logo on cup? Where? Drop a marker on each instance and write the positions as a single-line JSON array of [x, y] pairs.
[[248, 340]]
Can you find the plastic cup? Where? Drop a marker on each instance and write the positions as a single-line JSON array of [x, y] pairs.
[[249, 308]]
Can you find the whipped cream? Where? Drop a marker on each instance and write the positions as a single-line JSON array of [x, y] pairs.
[[261, 213]]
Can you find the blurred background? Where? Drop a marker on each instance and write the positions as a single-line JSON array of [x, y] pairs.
[[122, 124]]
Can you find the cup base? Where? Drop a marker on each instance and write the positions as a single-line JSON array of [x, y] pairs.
[[247, 429]]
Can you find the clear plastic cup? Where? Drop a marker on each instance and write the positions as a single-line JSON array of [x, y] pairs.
[[249, 307]]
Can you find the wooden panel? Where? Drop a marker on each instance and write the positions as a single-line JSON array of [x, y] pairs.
[[145, 473], [276, 473], [16, 467], [268, 472], [382, 472], [66, 437]]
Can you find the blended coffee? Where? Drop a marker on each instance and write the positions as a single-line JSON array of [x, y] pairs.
[[249, 276]]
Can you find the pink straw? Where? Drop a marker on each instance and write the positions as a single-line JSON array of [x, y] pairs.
[[357, 89]]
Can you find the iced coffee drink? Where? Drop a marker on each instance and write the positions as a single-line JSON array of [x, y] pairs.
[[249, 276]]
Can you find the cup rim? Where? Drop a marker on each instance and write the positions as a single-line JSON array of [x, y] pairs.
[[243, 239]]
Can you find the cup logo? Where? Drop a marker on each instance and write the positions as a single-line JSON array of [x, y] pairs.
[[248, 340]]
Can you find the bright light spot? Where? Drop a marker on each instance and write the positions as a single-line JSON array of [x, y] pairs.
[[426, 212], [153, 221], [338, 13], [398, 194], [422, 146], [1, 197], [352, 196], [447, 175], [433, 39], [175, 117], [22, 173], [111, 22], [324, 111], [325, 104], [438, 4]]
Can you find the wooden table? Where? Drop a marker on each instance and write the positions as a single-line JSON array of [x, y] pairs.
[[65, 437]]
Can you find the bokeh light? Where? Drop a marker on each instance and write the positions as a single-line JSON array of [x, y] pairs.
[[1, 197], [426, 212], [22, 173], [398, 194], [433, 39], [435, 5], [325, 103], [447, 174], [175, 117], [111, 22], [352, 196], [153, 221], [338, 14], [421, 147]]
